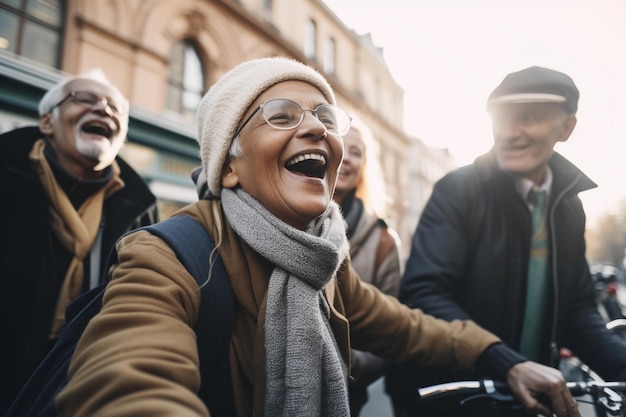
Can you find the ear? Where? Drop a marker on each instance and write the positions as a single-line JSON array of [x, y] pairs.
[[230, 178], [568, 127], [45, 124]]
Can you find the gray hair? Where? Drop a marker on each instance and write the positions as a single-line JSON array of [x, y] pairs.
[[235, 150], [56, 92]]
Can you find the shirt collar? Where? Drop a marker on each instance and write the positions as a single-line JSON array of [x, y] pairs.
[[524, 185]]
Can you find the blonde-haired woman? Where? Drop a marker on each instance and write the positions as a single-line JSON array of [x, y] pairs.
[[374, 246]]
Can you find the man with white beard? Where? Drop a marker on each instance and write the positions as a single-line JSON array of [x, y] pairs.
[[67, 197]]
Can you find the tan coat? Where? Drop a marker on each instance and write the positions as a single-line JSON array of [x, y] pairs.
[[375, 254], [138, 357]]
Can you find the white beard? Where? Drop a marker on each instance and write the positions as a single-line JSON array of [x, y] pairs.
[[102, 150]]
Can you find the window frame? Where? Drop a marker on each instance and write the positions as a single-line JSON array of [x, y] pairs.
[[177, 89], [27, 21], [310, 39], [330, 56]]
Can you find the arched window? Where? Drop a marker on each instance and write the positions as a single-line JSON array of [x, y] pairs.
[[329, 56], [32, 28], [185, 83], [310, 39]]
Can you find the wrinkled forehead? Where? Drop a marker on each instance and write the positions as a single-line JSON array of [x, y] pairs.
[[96, 87], [305, 94], [513, 109]]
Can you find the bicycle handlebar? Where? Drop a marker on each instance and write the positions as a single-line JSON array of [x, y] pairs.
[[481, 386], [617, 324], [604, 393]]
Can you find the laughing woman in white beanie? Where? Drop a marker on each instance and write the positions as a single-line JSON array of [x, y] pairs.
[[271, 147]]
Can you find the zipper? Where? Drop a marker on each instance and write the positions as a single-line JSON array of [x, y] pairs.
[[554, 353]]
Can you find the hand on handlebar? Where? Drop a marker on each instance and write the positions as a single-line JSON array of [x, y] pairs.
[[530, 380]]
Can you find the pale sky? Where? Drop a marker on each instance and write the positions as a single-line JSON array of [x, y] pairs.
[[448, 55]]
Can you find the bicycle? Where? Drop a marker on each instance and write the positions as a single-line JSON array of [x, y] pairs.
[[605, 397]]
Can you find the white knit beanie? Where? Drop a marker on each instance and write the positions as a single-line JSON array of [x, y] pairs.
[[223, 106]]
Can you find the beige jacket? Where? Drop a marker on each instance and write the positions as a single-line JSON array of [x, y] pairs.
[[384, 272], [138, 357]]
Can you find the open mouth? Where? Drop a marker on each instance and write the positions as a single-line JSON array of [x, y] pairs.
[[97, 128], [310, 164]]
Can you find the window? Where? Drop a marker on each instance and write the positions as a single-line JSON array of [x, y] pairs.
[[185, 84], [32, 28], [329, 56], [309, 39]]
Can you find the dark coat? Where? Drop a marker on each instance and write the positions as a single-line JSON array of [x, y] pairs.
[[469, 259], [29, 253]]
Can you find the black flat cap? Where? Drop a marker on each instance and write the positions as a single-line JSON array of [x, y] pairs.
[[536, 85]]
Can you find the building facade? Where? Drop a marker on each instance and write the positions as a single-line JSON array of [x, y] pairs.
[[429, 165], [163, 55]]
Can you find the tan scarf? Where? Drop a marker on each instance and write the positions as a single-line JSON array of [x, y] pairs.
[[76, 230]]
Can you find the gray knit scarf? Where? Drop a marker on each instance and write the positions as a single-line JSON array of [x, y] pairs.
[[305, 374]]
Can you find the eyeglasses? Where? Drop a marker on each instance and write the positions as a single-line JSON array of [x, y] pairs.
[[284, 114], [91, 100]]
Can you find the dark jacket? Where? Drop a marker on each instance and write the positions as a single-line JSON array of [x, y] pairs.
[[469, 259], [29, 253]]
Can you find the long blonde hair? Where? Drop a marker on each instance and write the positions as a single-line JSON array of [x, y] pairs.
[[371, 188]]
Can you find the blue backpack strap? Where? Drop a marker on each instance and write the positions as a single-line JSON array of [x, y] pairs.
[[189, 240], [193, 246]]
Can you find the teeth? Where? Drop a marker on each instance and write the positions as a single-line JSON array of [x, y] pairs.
[[98, 128], [306, 156], [97, 123]]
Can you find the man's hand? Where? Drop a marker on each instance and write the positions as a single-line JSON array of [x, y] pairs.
[[529, 380]]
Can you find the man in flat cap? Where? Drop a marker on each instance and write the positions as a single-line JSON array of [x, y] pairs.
[[501, 241]]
